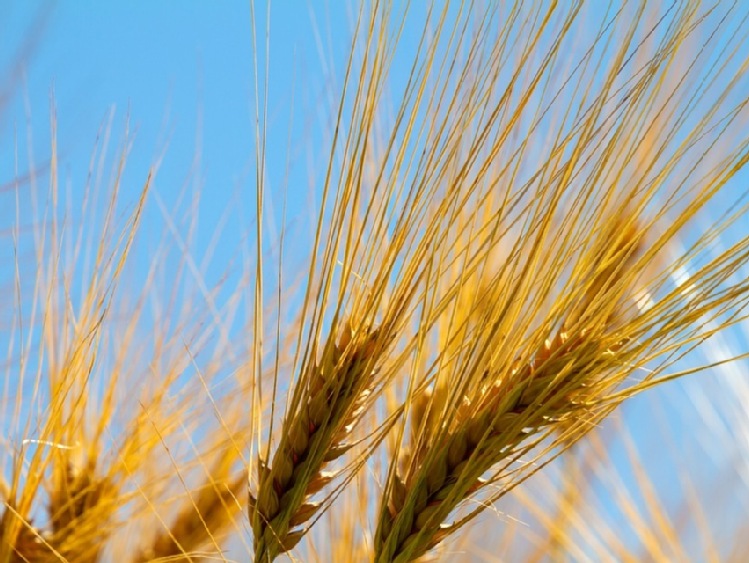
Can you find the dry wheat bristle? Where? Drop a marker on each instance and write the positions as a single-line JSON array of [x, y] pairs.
[[335, 391]]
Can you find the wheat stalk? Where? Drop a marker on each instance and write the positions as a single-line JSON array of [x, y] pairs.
[[21, 541]]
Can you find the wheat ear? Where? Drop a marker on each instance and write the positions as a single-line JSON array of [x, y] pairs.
[[213, 508], [492, 429], [313, 434], [21, 542], [492, 425], [80, 507]]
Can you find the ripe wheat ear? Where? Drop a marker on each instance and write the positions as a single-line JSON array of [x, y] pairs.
[[313, 435], [454, 448]]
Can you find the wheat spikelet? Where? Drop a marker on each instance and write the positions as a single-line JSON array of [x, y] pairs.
[[490, 433], [312, 436]]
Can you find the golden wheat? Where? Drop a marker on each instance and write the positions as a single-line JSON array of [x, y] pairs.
[[332, 398], [490, 275], [563, 377]]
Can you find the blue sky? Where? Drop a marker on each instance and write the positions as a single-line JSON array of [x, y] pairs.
[[181, 81], [184, 78]]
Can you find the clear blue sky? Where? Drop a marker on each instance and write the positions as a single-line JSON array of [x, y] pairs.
[[182, 76]]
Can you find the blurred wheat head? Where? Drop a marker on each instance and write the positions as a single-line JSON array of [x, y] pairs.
[[491, 272]]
